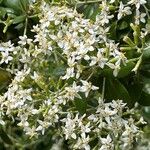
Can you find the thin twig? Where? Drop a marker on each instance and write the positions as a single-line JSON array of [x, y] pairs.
[[89, 2], [26, 25], [103, 88]]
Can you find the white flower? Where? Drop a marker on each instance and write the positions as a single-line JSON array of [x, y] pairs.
[[112, 1], [72, 92], [24, 40], [83, 142], [106, 143], [34, 111], [104, 17], [30, 131], [70, 125], [5, 57], [69, 73], [123, 11], [87, 87], [2, 122], [142, 17], [85, 128], [93, 118], [137, 3], [35, 76], [20, 75], [42, 126], [100, 59]]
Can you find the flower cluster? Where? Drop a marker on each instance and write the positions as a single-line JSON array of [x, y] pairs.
[[39, 99], [108, 117]]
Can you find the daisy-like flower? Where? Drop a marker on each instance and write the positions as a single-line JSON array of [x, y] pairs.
[[24, 40], [5, 57], [137, 3], [123, 11], [106, 143], [87, 87]]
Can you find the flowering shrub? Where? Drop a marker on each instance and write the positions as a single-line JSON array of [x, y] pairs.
[[67, 75]]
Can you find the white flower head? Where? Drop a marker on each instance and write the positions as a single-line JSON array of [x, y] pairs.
[[123, 11], [87, 87]]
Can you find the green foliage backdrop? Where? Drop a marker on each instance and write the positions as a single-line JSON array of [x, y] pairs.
[[132, 83]]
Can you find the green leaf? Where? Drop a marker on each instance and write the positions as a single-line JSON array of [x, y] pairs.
[[144, 99], [19, 19], [123, 25], [114, 89], [4, 11], [146, 53], [4, 136], [59, 71], [5, 78], [19, 26], [88, 11], [24, 4], [146, 113], [81, 105], [19, 6], [96, 10], [107, 72], [126, 69], [135, 91], [113, 28], [148, 25]]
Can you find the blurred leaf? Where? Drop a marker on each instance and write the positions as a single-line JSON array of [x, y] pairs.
[[4, 11], [146, 113], [4, 78], [24, 4], [135, 91], [146, 53], [4, 136], [148, 4], [59, 71], [112, 30], [115, 90], [122, 25], [96, 10], [144, 99], [148, 25], [89, 11], [145, 96], [19, 6], [126, 69], [19, 19], [14, 4], [81, 105], [19, 26]]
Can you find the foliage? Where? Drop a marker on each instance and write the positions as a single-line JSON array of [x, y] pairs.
[[74, 74]]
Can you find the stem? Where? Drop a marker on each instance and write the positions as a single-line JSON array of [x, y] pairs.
[[133, 59], [89, 2], [137, 64], [62, 58], [26, 25], [103, 88], [90, 76], [33, 16], [127, 48], [147, 13], [56, 58]]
